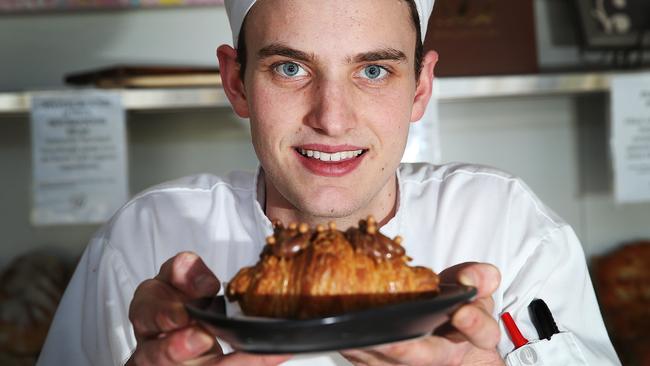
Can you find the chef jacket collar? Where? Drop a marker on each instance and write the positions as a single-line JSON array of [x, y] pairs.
[[390, 229]]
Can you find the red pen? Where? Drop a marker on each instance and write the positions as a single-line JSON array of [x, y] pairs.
[[515, 335]]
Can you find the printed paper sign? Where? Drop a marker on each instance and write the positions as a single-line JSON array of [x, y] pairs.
[[630, 96], [78, 157]]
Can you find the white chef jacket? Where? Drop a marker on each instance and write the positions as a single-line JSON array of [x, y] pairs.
[[446, 215]]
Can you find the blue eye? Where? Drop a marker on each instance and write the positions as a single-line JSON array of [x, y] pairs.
[[374, 72], [290, 69]]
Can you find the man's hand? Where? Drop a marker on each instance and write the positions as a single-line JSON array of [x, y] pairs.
[[163, 329], [474, 336]]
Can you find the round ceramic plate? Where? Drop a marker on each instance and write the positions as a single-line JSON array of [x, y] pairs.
[[351, 330]]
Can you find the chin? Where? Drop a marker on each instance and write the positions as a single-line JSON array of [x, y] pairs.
[[330, 203]]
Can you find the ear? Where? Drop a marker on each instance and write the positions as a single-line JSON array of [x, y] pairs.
[[232, 82], [424, 85]]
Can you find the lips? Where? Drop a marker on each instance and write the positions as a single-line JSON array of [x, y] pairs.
[[330, 161]]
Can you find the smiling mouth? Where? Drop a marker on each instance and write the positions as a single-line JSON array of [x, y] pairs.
[[330, 157]]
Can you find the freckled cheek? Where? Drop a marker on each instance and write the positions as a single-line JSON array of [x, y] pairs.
[[388, 116], [276, 116]]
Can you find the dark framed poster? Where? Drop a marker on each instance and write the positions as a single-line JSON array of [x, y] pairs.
[[614, 24], [483, 37]]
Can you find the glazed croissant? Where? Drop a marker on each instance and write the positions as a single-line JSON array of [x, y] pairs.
[[304, 273]]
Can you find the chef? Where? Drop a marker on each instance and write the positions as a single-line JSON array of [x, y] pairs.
[[330, 88]]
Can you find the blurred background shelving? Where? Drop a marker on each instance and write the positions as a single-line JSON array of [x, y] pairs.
[[447, 88]]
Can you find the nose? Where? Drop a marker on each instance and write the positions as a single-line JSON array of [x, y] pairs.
[[331, 111]]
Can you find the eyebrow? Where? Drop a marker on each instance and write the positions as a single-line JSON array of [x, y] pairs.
[[277, 49], [384, 54]]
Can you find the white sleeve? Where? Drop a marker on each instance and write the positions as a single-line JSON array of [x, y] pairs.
[[556, 272], [91, 325]]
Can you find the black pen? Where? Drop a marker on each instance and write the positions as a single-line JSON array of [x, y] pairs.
[[542, 319]]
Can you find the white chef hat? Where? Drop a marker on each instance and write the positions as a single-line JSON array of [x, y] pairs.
[[237, 10]]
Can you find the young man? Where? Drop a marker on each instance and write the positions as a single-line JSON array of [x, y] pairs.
[[330, 88]]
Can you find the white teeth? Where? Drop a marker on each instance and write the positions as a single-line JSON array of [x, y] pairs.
[[324, 156]]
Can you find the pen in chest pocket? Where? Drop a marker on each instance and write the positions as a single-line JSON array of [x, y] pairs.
[[515, 335], [542, 319]]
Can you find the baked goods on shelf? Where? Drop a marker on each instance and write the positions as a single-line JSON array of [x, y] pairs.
[[622, 282], [306, 272], [30, 289]]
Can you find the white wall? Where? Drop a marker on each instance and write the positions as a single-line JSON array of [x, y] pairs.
[[36, 50], [557, 144], [161, 147]]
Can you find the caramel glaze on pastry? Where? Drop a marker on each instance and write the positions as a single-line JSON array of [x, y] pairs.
[[307, 273]]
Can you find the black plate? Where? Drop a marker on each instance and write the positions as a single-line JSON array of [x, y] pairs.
[[351, 330]]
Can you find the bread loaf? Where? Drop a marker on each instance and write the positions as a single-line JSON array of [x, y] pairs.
[[30, 290], [305, 273]]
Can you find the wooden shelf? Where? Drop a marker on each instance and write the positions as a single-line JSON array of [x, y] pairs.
[[133, 99]]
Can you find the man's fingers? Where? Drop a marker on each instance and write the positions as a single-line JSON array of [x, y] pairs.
[[246, 359], [474, 321], [477, 326], [160, 320], [486, 303], [425, 351], [187, 273], [177, 347], [157, 308], [477, 356], [157, 305], [448, 331], [485, 277], [367, 358]]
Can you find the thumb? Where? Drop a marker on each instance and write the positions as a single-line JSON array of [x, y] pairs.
[[484, 276], [187, 272], [247, 359]]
